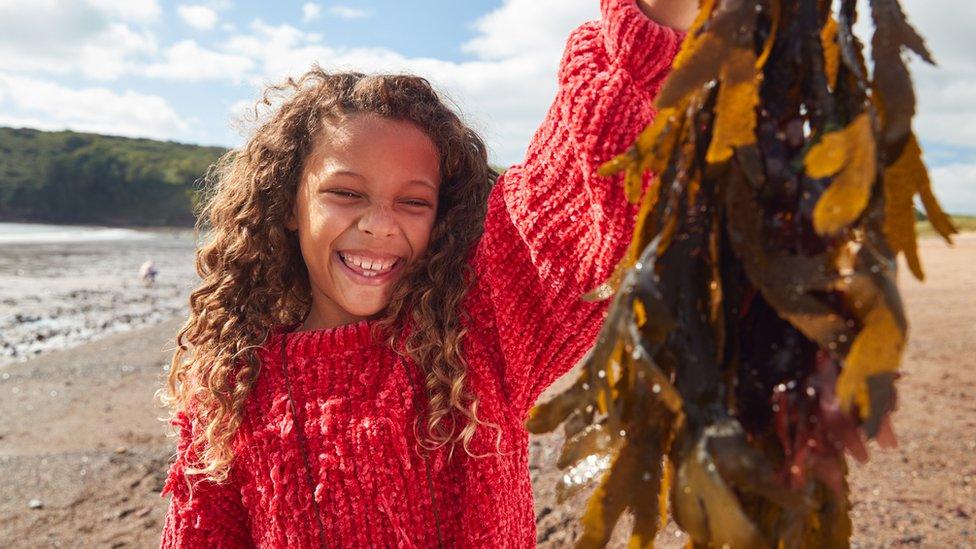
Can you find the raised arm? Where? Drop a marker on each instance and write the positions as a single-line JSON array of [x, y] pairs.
[[677, 14], [213, 517], [555, 229]]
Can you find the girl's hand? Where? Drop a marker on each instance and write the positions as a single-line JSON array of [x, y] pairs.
[[677, 14]]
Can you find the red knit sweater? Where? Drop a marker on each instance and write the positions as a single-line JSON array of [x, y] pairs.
[[553, 230]]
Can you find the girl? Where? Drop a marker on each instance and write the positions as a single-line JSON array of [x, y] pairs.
[[372, 297]]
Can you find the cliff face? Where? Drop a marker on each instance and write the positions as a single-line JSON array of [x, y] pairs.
[[69, 177]]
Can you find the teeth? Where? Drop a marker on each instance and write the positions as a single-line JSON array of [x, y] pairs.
[[375, 266]]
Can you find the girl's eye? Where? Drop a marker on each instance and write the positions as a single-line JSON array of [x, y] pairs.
[[352, 196], [344, 194]]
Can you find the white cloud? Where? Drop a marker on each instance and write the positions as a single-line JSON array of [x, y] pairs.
[[348, 12], [187, 61], [220, 5], [115, 51], [311, 12], [528, 27], [71, 37], [955, 186], [273, 47], [104, 56], [197, 16], [144, 11], [47, 105]]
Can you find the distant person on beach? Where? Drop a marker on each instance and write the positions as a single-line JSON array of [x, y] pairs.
[[148, 272], [379, 309]]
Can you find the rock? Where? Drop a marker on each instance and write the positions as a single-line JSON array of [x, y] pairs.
[[35, 504]]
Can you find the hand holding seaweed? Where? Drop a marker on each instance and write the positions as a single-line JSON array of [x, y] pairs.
[[756, 328]]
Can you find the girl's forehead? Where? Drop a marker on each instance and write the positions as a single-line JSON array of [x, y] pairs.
[[366, 132], [367, 144]]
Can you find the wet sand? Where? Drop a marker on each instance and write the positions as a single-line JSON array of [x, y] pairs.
[[94, 474]]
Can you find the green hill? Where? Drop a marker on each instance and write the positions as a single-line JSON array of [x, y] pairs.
[[69, 177]]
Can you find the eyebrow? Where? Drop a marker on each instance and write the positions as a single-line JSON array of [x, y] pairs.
[[360, 176]]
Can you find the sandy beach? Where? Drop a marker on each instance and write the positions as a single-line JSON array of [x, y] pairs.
[[83, 454]]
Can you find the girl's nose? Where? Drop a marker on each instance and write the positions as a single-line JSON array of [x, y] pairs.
[[378, 221]]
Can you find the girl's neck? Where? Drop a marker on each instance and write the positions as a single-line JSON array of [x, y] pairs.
[[325, 320]]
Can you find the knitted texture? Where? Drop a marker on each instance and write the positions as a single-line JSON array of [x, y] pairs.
[[553, 231]]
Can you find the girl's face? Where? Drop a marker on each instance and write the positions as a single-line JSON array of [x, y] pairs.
[[364, 210]]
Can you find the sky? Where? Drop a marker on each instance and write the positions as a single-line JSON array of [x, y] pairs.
[[187, 71]]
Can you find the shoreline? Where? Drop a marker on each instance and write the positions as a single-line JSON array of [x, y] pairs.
[[93, 225]]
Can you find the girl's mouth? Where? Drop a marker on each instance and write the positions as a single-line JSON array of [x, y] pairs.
[[369, 274]]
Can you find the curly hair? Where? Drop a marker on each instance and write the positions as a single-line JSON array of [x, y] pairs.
[[254, 278]]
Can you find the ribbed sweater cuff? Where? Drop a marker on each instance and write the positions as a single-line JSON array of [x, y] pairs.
[[634, 42]]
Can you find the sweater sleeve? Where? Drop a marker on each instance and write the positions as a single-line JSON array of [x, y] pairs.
[[554, 228], [212, 515]]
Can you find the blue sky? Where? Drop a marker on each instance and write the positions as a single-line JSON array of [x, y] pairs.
[[185, 71]]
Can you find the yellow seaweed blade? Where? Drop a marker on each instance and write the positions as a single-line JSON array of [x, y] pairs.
[[848, 195], [915, 168], [645, 499], [545, 417], [939, 220], [616, 164], [901, 180], [658, 141], [603, 382], [738, 95], [649, 135], [828, 156], [640, 313], [771, 39], [633, 183], [707, 509], [831, 51], [608, 500], [667, 476], [876, 349], [594, 440], [690, 43]]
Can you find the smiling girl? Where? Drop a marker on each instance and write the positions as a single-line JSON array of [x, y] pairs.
[[375, 297]]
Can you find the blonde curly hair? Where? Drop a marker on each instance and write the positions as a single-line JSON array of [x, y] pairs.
[[254, 278]]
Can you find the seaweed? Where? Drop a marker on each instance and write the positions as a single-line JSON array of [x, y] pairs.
[[755, 329]]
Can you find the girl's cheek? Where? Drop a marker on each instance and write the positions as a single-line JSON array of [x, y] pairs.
[[328, 219]]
